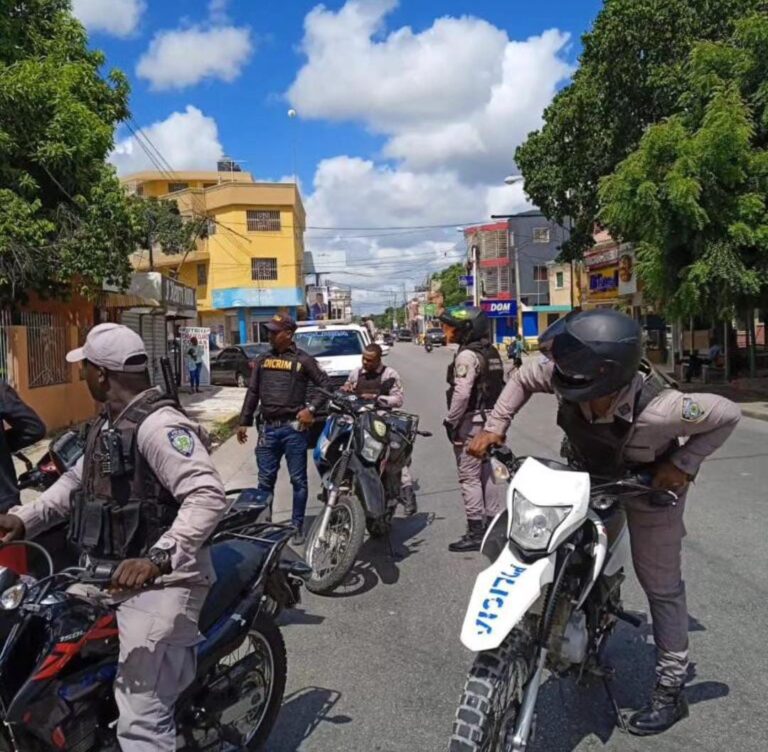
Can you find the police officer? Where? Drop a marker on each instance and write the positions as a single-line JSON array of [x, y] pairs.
[[375, 381], [145, 496], [617, 417], [278, 388], [475, 380]]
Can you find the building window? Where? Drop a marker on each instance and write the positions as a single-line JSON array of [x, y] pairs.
[[541, 234], [202, 275], [139, 190], [208, 185], [173, 187], [263, 269], [263, 221], [559, 280], [540, 273], [210, 226]]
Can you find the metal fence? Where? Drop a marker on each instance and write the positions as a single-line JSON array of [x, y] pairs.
[[47, 345], [5, 346]]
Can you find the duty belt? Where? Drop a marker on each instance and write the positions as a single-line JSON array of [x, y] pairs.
[[273, 422]]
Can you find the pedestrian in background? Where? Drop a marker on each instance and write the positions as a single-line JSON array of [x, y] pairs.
[[277, 396], [194, 364], [475, 381]]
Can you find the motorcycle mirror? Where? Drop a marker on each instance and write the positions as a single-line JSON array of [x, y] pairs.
[[500, 472]]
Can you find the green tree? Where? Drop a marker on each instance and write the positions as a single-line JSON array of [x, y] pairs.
[[453, 292], [160, 223], [64, 216], [632, 73], [694, 192]]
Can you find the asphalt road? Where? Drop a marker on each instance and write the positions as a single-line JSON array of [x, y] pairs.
[[379, 666]]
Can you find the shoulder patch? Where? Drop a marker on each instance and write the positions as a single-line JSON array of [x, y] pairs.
[[461, 370], [182, 441], [693, 412]]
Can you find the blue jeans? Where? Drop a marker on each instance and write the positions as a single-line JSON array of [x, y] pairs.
[[194, 376], [273, 443]]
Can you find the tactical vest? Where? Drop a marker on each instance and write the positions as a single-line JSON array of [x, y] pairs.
[[373, 384], [121, 508], [598, 448], [490, 382]]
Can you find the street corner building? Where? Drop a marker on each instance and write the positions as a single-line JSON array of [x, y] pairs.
[[248, 264]]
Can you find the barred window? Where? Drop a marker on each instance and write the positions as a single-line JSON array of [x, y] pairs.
[[263, 269], [202, 275], [541, 234], [263, 221], [173, 187], [540, 273]]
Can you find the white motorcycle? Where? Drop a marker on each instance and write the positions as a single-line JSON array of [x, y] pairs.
[[549, 600]]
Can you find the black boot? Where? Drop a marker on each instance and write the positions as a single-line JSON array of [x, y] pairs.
[[472, 539], [408, 498], [667, 706]]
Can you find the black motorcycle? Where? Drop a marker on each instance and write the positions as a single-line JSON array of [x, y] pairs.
[[59, 652], [360, 456]]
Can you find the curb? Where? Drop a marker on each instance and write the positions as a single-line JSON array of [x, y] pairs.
[[222, 430], [755, 414]]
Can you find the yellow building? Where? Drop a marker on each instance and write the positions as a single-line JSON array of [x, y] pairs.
[[250, 264]]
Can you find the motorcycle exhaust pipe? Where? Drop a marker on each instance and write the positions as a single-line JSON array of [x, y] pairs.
[[528, 706]]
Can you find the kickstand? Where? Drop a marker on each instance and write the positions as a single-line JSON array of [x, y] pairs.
[[620, 722]]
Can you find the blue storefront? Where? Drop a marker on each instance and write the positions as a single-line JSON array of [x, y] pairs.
[[243, 311], [503, 316]]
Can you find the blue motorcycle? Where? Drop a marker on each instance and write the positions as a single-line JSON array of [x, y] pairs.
[[360, 456]]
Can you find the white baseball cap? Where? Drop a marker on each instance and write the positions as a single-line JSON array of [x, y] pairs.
[[110, 346]]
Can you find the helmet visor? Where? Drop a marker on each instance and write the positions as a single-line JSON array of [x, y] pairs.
[[574, 359]]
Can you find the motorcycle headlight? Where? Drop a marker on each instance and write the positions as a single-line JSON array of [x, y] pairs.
[[379, 428], [372, 447], [12, 598], [532, 525]]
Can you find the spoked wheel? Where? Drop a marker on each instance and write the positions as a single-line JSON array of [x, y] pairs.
[[490, 704], [333, 557], [246, 691]]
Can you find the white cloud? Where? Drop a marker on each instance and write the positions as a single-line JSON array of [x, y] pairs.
[[184, 57], [187, 140], [117, 17], [217, 11], [452, 101], [459, 94]]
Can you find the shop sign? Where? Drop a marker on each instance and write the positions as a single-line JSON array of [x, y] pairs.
[[499, 309], [604, 283]]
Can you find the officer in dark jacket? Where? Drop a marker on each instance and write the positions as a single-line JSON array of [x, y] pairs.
[[22, 428], [278, 388], [475, 380]]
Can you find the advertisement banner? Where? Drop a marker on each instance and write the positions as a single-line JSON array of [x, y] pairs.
[[603, 284], [317, 302], [499, 309], [195, 346], [627, 272]]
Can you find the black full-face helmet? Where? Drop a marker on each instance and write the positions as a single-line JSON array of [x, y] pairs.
[[596, 353], [471, 323]]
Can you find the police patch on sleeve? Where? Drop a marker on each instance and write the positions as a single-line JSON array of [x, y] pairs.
[[182, 441], [692, 410], [462, 370]]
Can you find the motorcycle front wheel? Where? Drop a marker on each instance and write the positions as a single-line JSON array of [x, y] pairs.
[[332, 558], [490, 703]]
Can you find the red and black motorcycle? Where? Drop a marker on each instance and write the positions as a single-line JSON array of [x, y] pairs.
[[59, 652]]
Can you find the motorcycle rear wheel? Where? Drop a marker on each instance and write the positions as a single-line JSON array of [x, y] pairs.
[[332, 559], [490, 703]]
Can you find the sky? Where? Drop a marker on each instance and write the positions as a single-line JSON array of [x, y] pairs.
[[406, 114]]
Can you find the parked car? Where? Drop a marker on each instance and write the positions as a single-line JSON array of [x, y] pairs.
[[404, 335], [389, 339], [436, 337], [233, 364]]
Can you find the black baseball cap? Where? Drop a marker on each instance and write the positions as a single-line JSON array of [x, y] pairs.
[[281, 322]]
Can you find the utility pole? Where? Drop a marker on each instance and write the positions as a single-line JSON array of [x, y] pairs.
[[510, 245], [474, 251]]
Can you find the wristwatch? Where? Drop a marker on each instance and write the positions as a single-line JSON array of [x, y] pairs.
[[311, 409], [161, 559]]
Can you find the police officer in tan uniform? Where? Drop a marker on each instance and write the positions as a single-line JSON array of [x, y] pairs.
[[146, 469], [619, 416], [375, 381], [475, 380]]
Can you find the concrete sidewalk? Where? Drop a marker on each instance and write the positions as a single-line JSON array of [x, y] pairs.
[[751, 395]]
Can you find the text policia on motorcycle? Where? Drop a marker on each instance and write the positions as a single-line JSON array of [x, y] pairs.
[[551, 597]]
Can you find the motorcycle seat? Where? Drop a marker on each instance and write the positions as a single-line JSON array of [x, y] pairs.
[[237, 563]]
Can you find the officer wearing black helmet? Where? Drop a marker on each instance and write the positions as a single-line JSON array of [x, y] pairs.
[[475, 381], [618, 415]]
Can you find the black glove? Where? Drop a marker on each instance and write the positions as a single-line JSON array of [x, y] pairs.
[[450, 431]]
